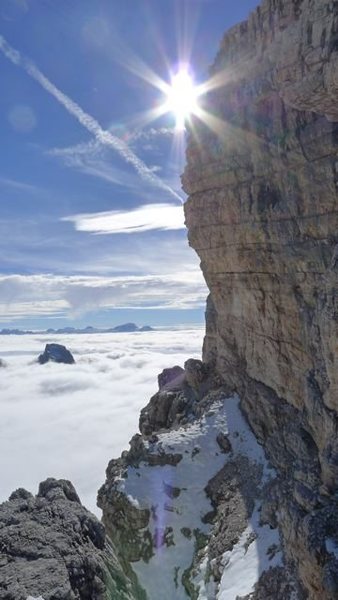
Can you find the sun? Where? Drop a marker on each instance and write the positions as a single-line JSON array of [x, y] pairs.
[[181, 97]]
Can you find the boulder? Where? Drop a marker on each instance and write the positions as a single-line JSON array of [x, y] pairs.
[[56, 353], [170, 377], [224, 442]]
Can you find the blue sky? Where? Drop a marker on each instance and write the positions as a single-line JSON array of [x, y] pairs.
[[91, 225]]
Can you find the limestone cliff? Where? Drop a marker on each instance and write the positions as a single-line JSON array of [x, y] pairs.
[[262, 214]]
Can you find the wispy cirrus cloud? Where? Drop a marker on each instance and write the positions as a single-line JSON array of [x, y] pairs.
[[151, 133], [17, 185], [92, 159], [105, 137], [143, 218]]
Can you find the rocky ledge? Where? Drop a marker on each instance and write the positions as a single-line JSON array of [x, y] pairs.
[[51, 546], [191, 504]]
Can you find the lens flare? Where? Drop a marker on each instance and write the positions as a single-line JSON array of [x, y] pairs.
[[182, 97]]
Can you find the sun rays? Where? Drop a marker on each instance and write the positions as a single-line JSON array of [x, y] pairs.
[[179, 102], [181, 97]]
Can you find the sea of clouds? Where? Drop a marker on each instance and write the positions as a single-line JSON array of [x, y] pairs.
[[68, 421]]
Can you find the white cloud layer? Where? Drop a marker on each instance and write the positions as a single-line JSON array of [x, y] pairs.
[[143, 218], [20, 295], [70, 420]]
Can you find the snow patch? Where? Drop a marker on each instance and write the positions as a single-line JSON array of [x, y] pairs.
[[249, 557], [332, 547], [180, 514]]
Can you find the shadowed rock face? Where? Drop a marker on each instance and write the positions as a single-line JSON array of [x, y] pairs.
[[262, 214], [169, 377], [56, 353], [51, 546]]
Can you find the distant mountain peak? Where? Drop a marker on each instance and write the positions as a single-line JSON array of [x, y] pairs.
[[123, 328]]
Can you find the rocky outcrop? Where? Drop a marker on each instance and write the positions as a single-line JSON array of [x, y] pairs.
[[179, 397], [56, 353], [170, 377], [262, 214], [190, 504], [51, 546]]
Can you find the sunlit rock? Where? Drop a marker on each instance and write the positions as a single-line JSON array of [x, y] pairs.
[[262, 215]]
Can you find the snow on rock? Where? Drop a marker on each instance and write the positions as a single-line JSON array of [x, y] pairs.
[[178, 506], [332, 546], [246, 558]]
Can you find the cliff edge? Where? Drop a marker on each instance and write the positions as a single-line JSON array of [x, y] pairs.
[[262, 214]]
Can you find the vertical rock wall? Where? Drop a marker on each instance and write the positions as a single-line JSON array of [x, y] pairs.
[[262, 213]]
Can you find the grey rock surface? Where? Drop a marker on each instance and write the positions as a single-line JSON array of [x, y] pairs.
[[51, 546], [170, 377], [136, 520], [179, 397], [56, 353], [262, 215]]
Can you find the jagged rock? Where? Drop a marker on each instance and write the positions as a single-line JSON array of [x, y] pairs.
[[137, 451], [56, 353], [224, 442], [274, 584], [170, 377], [232, 491], [262, 215], [125, 523], [180, 393], [195, 372], [164, 458], [172, 404], [51, 546], [148, 508], [165, 409]]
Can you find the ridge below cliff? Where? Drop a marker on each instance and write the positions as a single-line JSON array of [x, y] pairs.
[[189, 506]]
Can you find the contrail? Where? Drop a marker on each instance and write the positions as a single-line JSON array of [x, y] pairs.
[[103, 136]]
